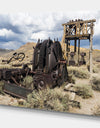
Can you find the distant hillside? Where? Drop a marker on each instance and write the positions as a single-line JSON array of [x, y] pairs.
[[4, 51], [28, 50]]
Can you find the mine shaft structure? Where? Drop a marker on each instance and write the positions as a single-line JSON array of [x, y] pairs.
[[77, 30]]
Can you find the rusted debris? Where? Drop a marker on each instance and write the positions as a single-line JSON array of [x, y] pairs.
[[15, 90], [97, 60], [48, 69], [21, 64], [16, 56]]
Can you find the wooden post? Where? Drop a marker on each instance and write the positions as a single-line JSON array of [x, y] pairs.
[[91, 38], [78, 50], [68, 50], [75, 45]]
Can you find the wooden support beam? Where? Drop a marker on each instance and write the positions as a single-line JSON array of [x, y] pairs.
[[75, 22], [91, 38], [75, 43], [91, 43], [68, 51], [78, 30], [78, 51]]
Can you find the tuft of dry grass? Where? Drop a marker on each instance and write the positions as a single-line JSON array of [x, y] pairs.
[[48, 99], [28, 82], [95, 82], [84, 90], [79, 72], [71, 78], [96, 68]]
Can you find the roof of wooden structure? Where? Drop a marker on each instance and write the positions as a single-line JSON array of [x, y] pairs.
[[78, 29]]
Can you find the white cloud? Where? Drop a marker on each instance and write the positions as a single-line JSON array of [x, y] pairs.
[[41, 35], [25, 27], [5, 32], [96, 46], [10, 45]]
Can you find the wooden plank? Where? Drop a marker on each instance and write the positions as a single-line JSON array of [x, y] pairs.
[[75, 43], [91, 54], [73, 37], [75, 22], [78, 51]]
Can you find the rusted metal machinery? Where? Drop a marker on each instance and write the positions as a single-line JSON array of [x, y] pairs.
[[82, 61], [72, 61], [49, 65], [48, 69], [16, 56]]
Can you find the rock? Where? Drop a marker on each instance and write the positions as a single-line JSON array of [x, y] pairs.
[[68, 86], [21, 101]]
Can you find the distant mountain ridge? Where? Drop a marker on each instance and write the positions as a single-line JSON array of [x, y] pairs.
[[5, 51]]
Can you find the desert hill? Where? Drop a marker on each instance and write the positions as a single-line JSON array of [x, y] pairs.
[[28, 50]]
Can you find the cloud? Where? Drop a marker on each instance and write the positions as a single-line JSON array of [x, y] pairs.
[[11, 45], [18, 29]]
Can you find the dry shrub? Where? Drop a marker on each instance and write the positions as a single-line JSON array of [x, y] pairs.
[[49, 99], [28, 82], [95, 69], [71, 78], [95, 82], [6, 66], [79, 72], [98, 66], [84, 90]]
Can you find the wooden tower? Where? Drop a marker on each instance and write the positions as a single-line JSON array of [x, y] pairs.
[[77, 30]]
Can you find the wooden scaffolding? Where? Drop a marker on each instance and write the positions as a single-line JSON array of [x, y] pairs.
[[78, 30]]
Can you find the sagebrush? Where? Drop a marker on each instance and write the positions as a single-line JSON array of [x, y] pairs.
[[84, 90], [95, 82], [79, 72], [48, 99]]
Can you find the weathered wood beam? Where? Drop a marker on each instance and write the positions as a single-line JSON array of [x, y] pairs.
[[75, 43], [78, 50], [91, 38], [75, 22], [68, 51]]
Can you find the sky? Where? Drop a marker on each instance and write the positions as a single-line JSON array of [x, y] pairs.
[[20, 28]]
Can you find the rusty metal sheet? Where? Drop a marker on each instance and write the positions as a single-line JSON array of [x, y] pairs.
[[15, 90]]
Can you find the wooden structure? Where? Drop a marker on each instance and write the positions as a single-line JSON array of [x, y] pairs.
[[77, 30]]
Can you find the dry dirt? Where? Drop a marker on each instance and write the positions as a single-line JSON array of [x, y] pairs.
[[8, 100], [88, 106]]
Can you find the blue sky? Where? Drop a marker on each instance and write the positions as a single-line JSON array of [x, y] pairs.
[[20, 28]]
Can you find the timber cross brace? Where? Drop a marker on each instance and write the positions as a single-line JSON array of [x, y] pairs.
[[77, 30]]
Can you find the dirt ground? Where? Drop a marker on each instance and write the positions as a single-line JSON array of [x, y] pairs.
[[8, 100], [88, 106]]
